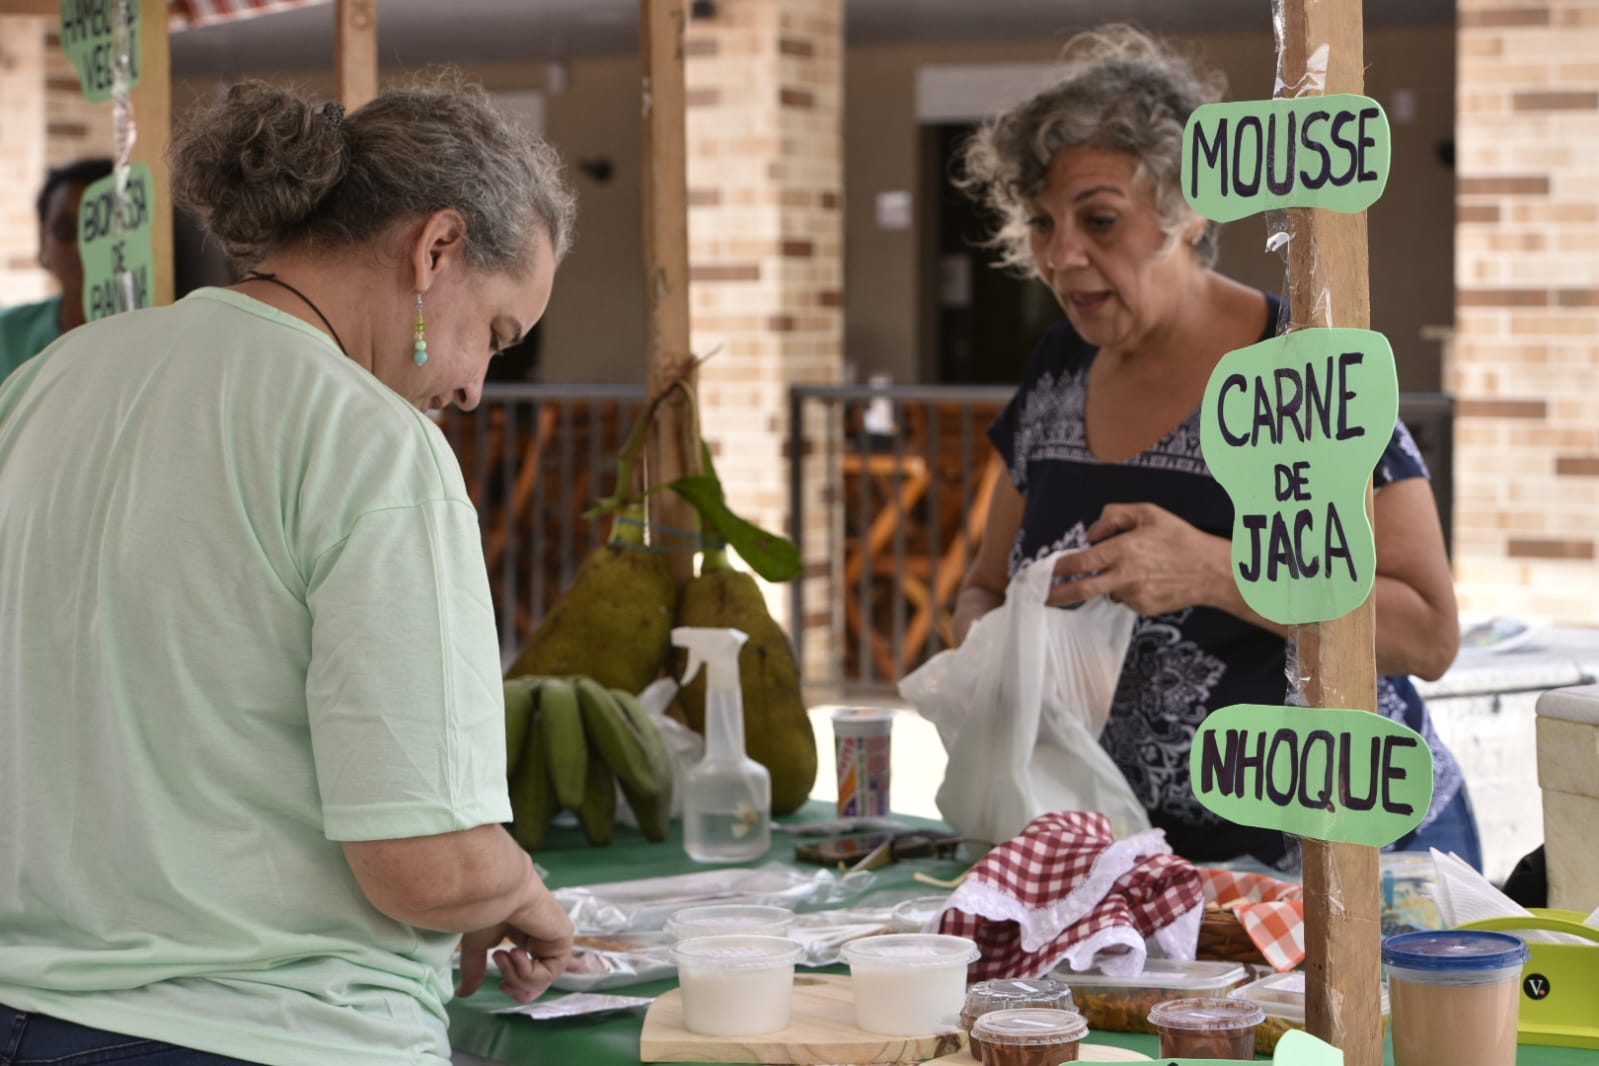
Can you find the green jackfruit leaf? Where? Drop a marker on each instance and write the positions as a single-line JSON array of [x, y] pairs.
[[773, 557]]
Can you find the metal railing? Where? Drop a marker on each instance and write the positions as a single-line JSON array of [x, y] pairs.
[[903, 474]]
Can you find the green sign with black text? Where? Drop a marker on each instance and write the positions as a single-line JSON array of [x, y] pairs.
[[114, 242], [1330, 774], [95, 34]]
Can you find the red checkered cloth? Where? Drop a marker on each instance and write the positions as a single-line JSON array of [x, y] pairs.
[[1067, 890], [1272, 912]]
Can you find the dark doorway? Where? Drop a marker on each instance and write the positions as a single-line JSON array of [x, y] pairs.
[[987, 321]]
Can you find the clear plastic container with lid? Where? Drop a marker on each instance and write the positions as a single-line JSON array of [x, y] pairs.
[[736, 985], [1206, 1028], [1122, 1004], [1282, 997], [1456, 996], [909, 984], [1030, 1036], [728, 919], [985, 997]]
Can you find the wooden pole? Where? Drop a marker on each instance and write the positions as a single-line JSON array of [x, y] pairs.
[[1328, 287], [674, 439], [152, 116], [355, 50]]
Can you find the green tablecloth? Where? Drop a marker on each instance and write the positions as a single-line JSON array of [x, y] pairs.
[[612, 1040]]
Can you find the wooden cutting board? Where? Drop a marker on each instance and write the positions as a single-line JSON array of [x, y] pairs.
[[1085, 1053], [821, 1029]]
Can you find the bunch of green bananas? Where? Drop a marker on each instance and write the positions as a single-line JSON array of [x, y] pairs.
[[569, 742]]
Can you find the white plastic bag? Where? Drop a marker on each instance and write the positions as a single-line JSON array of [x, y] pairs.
[[1020, 706]]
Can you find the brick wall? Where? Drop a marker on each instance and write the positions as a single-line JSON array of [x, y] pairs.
[[764, 81], [1524, 359], [44, 122]]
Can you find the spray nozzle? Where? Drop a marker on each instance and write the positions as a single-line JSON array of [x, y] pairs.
[[718, 648]]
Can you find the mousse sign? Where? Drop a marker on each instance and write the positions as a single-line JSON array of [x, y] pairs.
[[1292, 427], [1241, 159], [1349, 776]]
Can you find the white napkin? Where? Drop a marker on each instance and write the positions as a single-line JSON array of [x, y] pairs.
[[1464, 895]]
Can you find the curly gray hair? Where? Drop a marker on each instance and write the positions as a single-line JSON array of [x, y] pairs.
[[263, 168], [1118, 90]]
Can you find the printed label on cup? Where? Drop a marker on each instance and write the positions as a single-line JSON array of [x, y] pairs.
[[861, 746]]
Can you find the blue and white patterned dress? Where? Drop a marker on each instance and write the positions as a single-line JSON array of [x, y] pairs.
[[1181, 665]]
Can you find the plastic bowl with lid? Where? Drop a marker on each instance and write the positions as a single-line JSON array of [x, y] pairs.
[[736, 985], [986, 997], [730, 919], [909, 984], [1029, 1036], [1207, 1028], [1456, 996]]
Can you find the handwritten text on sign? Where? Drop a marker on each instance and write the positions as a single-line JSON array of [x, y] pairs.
[[1292, 428], [1349, 776], [114, 244], [90, 37], [1315, 151]]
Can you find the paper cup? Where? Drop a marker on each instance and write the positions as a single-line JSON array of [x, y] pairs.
[[861, 746]]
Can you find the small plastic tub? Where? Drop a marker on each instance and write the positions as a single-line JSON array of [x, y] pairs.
[[1207, 1028], [1122, 1004], [1456, 996], [909, 984], [730, 919], [736, 985], [1030, 1036], [986, 997]]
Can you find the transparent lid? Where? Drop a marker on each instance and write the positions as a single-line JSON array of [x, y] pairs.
[[1030, 1027], [909, 951], [862, 721], [986, 996], [729, 918], [1206, 1015], [1166, 973], [736, 953], [912, 914], [1282, 995]]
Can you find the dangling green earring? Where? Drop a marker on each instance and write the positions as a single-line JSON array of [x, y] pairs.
[[421, 334]]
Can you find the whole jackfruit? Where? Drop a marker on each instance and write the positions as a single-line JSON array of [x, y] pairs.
[[615, 623], [777, 730]]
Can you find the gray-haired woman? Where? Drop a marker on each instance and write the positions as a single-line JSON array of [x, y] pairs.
[[1102, 439], [250, 709]]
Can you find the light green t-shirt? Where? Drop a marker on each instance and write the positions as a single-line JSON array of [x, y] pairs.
[[26, 330], [243, 616]]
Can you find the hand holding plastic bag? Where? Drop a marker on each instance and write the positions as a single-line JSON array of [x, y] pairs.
[[1019, 707]]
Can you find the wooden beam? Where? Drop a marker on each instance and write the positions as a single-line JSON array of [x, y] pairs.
[[355, 51], [1328, 287], [50, 9], [152, 115], [674, 440]]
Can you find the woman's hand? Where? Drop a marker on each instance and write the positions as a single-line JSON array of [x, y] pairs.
[[541, 947], [1148, 558]]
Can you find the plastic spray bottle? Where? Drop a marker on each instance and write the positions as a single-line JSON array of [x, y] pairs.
[[727, 796]]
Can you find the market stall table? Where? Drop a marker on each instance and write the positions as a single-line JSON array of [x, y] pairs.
[[613, 1039]]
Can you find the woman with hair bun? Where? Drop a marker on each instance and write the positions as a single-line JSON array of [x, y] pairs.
[[1102, 439], [250, 710]]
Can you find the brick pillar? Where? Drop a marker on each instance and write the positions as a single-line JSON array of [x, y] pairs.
[[1527, 309], [764, 83], [46, 122]]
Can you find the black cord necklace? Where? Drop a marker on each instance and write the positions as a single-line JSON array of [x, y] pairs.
[[256, 275]]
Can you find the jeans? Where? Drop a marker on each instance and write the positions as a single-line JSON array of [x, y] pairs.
[[28, 1039], [1455, 829]]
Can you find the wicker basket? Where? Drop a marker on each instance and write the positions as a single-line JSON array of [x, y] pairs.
[[1222, 937]]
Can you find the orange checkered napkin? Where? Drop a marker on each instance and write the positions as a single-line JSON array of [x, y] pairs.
[[1272, 912]]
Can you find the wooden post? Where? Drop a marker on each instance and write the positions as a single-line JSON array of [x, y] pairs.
[[152, 115], [674, 439], [355, 51], [1328, 287]]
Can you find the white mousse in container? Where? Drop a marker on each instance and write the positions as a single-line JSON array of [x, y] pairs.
[[909, 984], [729, 919], [736, 985]]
